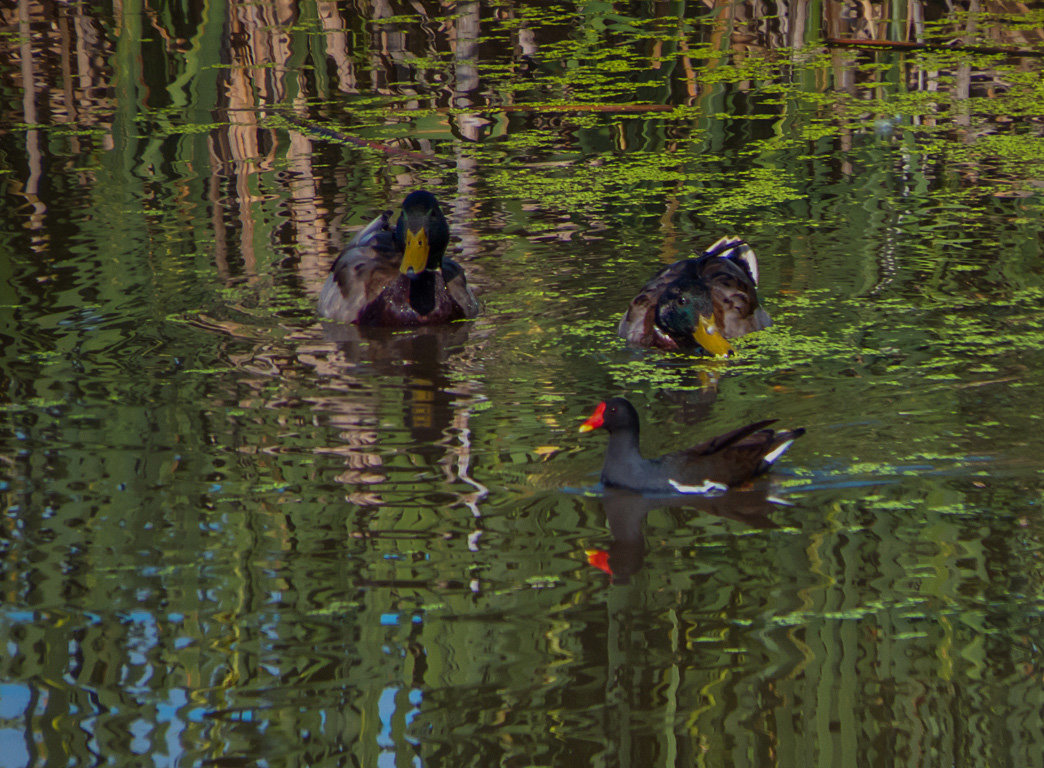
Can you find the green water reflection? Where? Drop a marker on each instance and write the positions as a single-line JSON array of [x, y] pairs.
[[235, 535]]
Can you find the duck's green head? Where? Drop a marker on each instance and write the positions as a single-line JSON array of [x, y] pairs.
[[421, 233], [685, 312]]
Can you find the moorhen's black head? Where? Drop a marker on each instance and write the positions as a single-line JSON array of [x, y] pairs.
[[616, 414]]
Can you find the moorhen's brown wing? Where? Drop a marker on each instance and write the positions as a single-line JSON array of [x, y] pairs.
[[731, 459]]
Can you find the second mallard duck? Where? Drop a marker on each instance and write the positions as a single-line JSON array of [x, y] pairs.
[[399, 276], [699, 302]]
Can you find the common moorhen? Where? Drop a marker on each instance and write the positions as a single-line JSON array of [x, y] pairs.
[[699, 302], [713, 466], [399, 277]]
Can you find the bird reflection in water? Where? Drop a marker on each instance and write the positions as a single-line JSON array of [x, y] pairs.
[[626, 511], [419, 357], [428, 369]]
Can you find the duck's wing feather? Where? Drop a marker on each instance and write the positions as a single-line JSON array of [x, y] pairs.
[[363, 270], [372, 230], [730, 269], [457, 286], [736, 250]]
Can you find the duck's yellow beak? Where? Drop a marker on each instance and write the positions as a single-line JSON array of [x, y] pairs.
[[709, 336], [416, 255]]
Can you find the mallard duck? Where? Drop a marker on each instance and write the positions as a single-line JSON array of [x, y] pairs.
[[400, 276], [711, 467], [699, 302]]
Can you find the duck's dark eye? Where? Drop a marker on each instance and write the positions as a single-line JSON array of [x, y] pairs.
[[683, 301]]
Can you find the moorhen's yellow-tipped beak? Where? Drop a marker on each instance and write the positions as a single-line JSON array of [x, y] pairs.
[[709, 336], [595, 420], [416, 255]]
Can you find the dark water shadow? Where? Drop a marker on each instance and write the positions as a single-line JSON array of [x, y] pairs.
[[626, 513]]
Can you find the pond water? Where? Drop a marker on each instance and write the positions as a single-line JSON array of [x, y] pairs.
[[234, 535]]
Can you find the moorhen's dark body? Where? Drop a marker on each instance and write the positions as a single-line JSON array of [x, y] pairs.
[[699, 302], [399, 276], [722, 462]]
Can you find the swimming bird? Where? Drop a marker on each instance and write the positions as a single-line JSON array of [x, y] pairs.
[[699, 302], [713, 466], [399, 276]]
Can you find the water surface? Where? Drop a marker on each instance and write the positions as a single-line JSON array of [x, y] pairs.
[[235, 535]]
